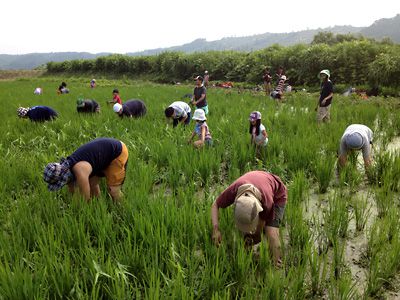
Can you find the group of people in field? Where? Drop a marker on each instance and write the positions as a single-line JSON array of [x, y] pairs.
[[259, 197]]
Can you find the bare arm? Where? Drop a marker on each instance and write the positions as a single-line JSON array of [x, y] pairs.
[[203, 134], [191, 137], [217, 238], [82, 172], [274, 244]]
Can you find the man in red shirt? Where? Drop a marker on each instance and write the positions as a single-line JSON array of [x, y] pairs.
[[259, 199]]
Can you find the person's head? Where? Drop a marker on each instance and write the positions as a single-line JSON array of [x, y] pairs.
[[206, 72], [93, 80], [199, 80], [169, 112], [80, 103], [115, 92], [354, 140], [199, 115], [57, 175], [283, 77], [247, 207], [324, 75], [117, 108], [255, 121], [63, 84], [22, 112], [280, 70]]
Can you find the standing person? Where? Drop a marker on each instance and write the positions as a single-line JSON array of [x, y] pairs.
[[325, 98], [87, 106], [201, 130], [102, 157], [356, 137], [206, 78], [199, 95], [38, 113], [93, 83], [259, 200], [179, 111], [267, 81], [116, 97], [62, 89], [278, 92], [131, 108], [279, 73], [259, 136]]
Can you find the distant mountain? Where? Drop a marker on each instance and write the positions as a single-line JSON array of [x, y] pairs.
[[384, 28], [253, 42], [379, 29], [33, 60]]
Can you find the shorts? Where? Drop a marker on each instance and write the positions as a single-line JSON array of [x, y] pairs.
[[278, 216], [323, 113], [116, 170], [205, 108]]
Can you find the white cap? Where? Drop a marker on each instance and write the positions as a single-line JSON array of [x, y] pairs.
[[247, 208], [199, 115], [283, 77], [117, 107]]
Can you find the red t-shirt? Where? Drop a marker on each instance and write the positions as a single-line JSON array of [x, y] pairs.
[[273, 192], [117, 99]]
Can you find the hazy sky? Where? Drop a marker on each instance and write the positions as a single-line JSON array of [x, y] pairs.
[[122, 26]]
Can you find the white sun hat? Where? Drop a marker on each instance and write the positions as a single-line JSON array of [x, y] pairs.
[[199, 115], [117, 107]]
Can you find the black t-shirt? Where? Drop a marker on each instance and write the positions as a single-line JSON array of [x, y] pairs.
[[41, 113], [99, 153], [326, 89], [89, 106], [134, 108], [198, 91]]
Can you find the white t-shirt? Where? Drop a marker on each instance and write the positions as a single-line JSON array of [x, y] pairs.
[[260, 137], [366, 134], [181, 109]]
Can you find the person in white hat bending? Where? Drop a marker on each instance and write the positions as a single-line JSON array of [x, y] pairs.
[[201, 130], [132, 109], [356, 137], [325, 98], [259, 200]]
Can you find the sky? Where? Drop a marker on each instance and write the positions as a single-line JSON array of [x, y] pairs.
[[121, 26]]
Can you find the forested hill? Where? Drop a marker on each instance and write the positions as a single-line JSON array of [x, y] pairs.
[[378, 30]]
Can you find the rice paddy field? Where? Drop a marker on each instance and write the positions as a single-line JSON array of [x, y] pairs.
[[340, 237]]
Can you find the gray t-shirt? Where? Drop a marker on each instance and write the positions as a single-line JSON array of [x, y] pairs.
[[181, 109], [366, 134]]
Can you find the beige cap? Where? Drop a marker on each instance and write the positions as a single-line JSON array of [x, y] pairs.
[[247, 208]]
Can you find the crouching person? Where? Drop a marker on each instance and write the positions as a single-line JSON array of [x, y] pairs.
[[259, 199], [102, 157], [201, 130]]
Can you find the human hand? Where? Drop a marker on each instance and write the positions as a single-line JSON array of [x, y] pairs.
[[217, 237]]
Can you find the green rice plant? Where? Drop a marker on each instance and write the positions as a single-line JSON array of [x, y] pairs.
[[336, 218], [317, 271], [324, 166], [362, 211], [384, 200], [343, 288]]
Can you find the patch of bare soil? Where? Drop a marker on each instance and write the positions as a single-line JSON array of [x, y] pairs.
[[16, 74]]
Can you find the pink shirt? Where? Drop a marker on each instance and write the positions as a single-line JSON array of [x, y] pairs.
[[273, 192]]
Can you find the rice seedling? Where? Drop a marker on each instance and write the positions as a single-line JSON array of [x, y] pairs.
[[361, 212]]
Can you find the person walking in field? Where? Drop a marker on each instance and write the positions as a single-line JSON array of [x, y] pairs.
[[259, 136], [278, 92], [87, 106], [132, 109], [102, 157], [116, 98], [199, 98], [179, 111], [325, 98], [201, 130], [206, 78], [267, 78], [38, 113], [356, 137], [259, 200]]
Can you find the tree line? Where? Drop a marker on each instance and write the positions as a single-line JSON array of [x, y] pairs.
[[355, 61]]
